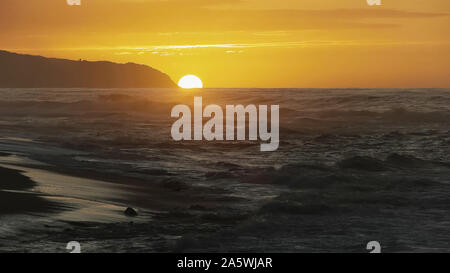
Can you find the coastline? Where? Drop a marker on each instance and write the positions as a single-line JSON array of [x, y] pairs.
[[15, 197], [48, 205]]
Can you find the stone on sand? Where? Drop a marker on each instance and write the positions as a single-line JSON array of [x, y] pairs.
[[130, 212]]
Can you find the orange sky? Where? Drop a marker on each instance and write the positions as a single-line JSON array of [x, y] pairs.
[[246, 43]]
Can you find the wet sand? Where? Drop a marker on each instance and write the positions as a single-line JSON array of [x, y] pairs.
[[47, 206], [14, 198]]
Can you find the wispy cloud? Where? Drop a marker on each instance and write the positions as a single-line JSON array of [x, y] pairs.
[[234, 47], [193, 46]]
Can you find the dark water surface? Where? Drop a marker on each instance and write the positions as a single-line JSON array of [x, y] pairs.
[[353, 166]]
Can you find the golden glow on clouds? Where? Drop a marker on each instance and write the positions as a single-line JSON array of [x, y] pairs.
[[232, 43]]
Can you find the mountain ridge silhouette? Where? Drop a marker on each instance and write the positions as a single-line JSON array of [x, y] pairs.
[[33, 71]]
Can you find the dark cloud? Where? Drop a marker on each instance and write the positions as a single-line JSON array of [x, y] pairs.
[[52, 17]]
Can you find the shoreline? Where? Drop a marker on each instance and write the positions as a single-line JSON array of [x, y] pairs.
[[47, 220], [15, 197], [65, 189]]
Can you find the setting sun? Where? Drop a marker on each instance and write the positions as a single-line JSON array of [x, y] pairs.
[[190, 82]]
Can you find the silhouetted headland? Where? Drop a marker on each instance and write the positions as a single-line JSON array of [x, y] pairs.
[[27, 71]]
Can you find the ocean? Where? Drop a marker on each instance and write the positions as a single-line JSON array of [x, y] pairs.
[[353, 166]]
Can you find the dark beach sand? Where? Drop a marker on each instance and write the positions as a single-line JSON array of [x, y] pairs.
[[13, 196], [47, 207]]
